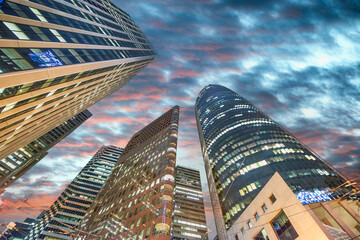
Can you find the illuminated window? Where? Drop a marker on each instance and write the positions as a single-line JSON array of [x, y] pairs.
[[168, 177], [16, 30], [141, 234], [262, 235], [138, 221], [39, 15], [161, 228], [57, 35], [9, 107]]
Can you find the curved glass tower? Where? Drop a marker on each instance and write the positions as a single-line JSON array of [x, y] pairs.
[[243, 148]]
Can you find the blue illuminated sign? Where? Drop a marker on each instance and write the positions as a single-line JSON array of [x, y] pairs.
[[306, 197], [45, 59]]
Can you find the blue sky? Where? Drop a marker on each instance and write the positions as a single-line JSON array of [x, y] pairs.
[[296, 60]]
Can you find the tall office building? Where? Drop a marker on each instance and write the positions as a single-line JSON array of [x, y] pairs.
[[73, 204], [243, 148], [137, 200], [189, 221], [17, 230], [15, 165], [57, 58]]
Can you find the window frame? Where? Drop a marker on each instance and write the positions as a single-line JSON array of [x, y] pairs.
[[264, 207], [272, 196]]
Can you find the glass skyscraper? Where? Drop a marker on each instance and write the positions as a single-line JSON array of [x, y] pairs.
[[75, 201], [242, 148], [16, 164], [137, 200], [57, 58]]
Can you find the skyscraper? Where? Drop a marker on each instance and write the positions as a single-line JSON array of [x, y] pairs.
[[15, 165], [137, 200], [57, 58], [73, 204], [189, 221], [243, 148], [17, 230]]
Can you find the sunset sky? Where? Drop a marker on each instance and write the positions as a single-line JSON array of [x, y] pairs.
[[298, 61]]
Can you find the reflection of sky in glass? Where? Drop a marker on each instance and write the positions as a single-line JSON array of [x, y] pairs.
[[45, 59]]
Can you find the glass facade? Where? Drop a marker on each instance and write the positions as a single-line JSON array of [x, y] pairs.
[[243, 148], [283, 227], [262, 235], [16, 164], [73, 204], [106, 32], [137, 200], [17, 230], [58, 58]]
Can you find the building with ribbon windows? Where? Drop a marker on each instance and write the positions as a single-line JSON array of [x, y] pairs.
[[65, 214], [57, 58], [16, 164]]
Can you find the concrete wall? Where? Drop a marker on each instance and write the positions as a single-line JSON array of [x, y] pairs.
[[305, 223]]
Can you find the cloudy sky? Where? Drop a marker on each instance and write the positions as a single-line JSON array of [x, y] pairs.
[[298, 61]]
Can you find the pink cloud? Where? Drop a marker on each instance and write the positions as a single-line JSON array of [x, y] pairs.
[[180, 73], [345, 149], [223, 56]]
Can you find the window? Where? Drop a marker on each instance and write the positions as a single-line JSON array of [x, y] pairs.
[[256, 216], [236, 237], [264, 208], [249, 224], [16, 30], [283, 227], [138, 222], [141, 234], [272, 198], [243, 231], [144, 220], [147, 234], [262, 235]]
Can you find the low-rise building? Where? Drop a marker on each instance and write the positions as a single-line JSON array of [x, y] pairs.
[[277, 213]]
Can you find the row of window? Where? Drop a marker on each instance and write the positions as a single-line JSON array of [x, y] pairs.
[[26, 153], [281, 225], [66, 205], [27, 32], [60, 107], [30, 58], [44, 16]]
